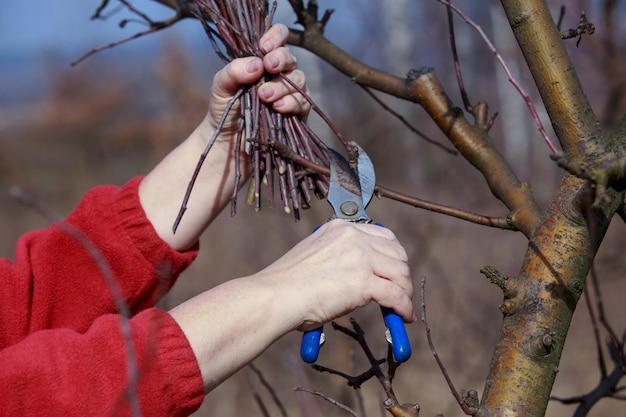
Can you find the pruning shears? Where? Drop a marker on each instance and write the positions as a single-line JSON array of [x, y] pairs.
[[349, 193]]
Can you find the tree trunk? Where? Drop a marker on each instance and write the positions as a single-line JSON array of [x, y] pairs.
[[540, 302]]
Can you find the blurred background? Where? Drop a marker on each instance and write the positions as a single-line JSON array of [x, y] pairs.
[[65, 129]]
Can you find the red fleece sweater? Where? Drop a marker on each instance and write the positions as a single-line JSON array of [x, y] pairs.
[[64, 349]]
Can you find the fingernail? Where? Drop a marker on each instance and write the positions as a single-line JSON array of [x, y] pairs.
[[273, 61], [279, 103], [266, 92], [268, 45], [252, 66]]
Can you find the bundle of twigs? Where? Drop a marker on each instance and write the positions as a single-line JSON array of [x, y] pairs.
[[282, 148]]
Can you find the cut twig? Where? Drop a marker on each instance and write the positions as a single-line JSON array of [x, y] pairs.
[[234, 29]]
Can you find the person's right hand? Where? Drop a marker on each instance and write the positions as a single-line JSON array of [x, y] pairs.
[[340, 267]]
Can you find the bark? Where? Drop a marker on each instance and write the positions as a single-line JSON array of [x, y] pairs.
[[540, 302]]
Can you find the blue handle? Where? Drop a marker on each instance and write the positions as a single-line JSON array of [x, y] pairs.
[[400, 344], [311, 343]]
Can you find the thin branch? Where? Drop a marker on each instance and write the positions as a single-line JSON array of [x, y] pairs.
[[457, 65], [512, 80], [203, 156], [504, 223], [353, 381], [585, 27], [602, 315], [455, 393], [330, 400], [31, 201], [269, 389], [406, 122], [607, 386], [153, 27], [256, 395], [375, 370], [596, 329]]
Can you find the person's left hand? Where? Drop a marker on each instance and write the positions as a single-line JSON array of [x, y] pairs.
[[281, 95]]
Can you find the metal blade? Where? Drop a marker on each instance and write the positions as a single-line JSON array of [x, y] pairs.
[[367, 175], [344, 193]]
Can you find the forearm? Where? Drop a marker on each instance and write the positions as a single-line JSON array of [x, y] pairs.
[[230, 325], [162, 191]]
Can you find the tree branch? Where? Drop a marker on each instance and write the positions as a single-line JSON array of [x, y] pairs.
[[572, 117], [422, 87]]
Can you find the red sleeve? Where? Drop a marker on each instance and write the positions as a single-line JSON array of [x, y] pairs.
[[65, 276], [61, 372]]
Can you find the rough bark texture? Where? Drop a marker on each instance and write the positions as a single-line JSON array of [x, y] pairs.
[[539, 303]]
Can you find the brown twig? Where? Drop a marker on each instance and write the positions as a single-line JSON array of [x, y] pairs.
[[512, 80], [608, 385], [457, 65], [256, 395], [329, 399], [269, 389], [466, 409], [122, 309], [406, 122], [203, 156], [391, 402], [585, 27], [153, 26]]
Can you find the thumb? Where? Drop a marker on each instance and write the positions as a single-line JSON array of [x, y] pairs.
[[238, 72]]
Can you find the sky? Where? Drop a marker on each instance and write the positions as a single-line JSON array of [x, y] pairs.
[[66, 25], [61, 31]]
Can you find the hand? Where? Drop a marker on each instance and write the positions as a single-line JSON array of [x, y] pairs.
[[162, 190], [340, 267], [283, 97]]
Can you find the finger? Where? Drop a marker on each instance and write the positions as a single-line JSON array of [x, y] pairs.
[[280, 60], [275, 37], [284, 97], [393, 270], [239, 71], [390, 295]]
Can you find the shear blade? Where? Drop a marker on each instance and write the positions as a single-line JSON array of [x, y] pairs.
[[344, 193]]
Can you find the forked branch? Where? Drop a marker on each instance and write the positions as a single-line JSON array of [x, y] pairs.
[[385, 379]]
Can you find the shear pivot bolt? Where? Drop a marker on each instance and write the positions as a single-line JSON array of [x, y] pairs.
[[349, 208]]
